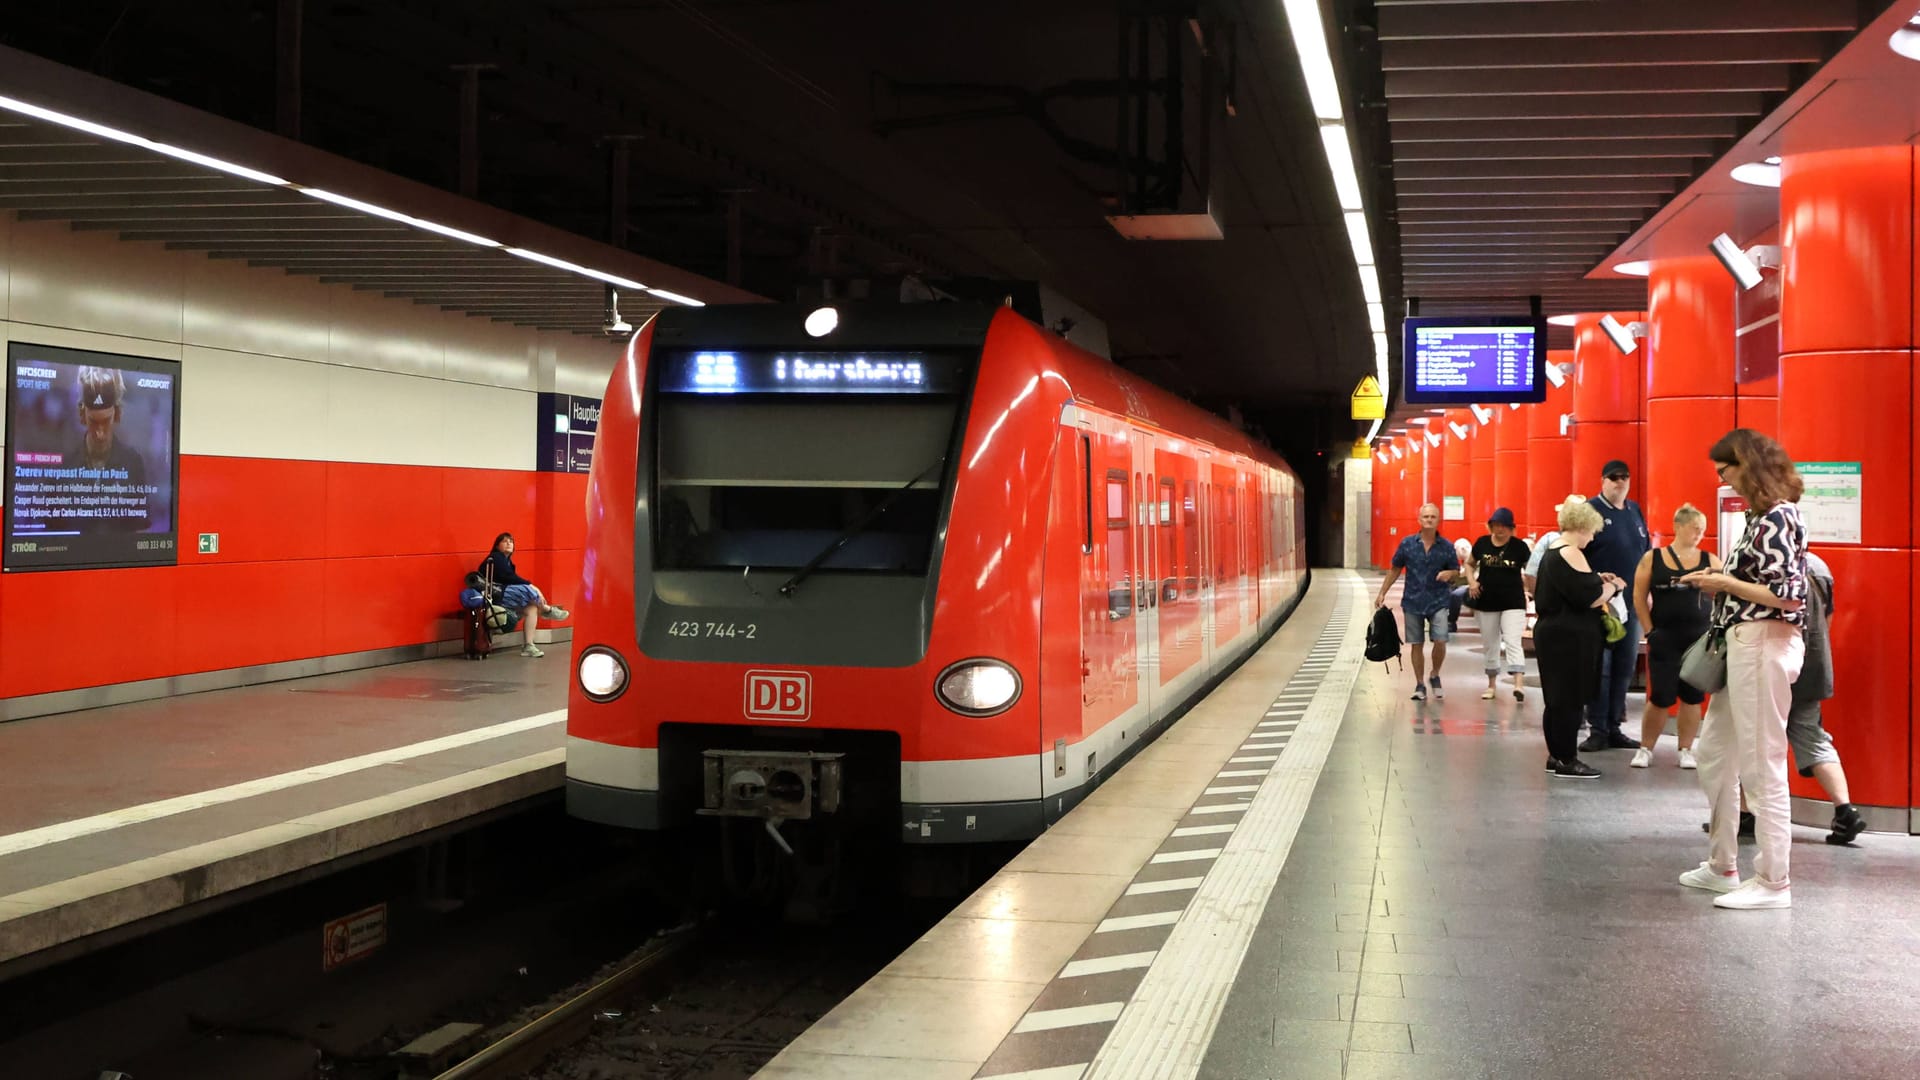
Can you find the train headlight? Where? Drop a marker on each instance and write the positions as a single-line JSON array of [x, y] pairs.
[[603, 675], [978, 687]]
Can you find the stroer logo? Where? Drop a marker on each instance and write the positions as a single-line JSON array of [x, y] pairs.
[[779, 695]]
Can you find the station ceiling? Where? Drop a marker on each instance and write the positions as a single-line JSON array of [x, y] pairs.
[[1505, 148]]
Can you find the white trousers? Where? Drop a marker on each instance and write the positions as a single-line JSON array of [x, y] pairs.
[[1743, 744], [1500, 633]]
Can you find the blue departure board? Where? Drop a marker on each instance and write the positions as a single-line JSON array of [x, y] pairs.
[[1476, 359]]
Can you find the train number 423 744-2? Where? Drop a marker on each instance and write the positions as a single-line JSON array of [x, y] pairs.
[[712, 630]]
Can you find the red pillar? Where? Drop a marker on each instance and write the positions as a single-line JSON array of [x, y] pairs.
[[1510, 461], [1434, 462], [1690, 390], [1847, 380], [1458, 482], [1481, 489], [1608, 390], [1549, 454]]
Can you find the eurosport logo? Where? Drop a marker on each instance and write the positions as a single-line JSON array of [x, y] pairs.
[[779, 695]]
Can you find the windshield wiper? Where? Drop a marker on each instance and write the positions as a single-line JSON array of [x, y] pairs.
[[857, 528]]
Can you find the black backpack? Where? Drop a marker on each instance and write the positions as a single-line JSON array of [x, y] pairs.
[[1383, 637]]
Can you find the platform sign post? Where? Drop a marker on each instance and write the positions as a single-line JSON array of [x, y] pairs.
[[1368, 402]]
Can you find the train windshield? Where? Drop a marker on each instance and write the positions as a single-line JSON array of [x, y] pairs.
[[759, 474]]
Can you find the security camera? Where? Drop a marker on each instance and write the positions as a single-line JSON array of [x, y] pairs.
[[1744, 264], [1625, 337]]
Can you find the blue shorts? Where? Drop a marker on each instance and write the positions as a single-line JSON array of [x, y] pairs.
[[518, 598], [1421, 628]]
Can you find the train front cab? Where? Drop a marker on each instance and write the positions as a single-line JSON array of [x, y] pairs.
[[1099, 569]]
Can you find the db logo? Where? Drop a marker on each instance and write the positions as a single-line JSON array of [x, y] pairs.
[[779, 695]]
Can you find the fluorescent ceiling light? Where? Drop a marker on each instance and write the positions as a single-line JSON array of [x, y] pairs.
[[1420, 420], [1514, 405], [1310, 45], [395, 215], [1374, 430], [1905, 41], [1563, 320], [1764, 173], [1359, 238], [674, 297], [170, 150], [1636, 268], [1377, 320], [1380, 345], [1346, 182], [1370, 284], [1437, 412], [562, 264]]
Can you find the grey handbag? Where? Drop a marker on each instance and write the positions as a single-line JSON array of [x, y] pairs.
[[1704, 665]]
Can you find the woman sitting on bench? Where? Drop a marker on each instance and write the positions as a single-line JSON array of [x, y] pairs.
[[517, 593]]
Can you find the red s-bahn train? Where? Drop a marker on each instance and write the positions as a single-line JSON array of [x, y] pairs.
[[924, 567]]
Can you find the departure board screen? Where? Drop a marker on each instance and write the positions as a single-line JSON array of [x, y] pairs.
[[800, 371], [1474, 360]]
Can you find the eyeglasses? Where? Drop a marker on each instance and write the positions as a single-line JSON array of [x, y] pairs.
[[1618, 478], [1720, 468]]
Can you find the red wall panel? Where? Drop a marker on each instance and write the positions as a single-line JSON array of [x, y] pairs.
[[86, 627], [381, 510], [1846, 224], [241, 614], [262, 508]]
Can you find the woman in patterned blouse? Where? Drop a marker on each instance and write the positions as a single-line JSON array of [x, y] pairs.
[[1758, 602]]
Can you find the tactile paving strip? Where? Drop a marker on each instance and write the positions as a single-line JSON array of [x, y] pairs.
[[1204, 858]]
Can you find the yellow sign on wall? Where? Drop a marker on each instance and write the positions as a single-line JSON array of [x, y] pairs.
[[1368, 402]]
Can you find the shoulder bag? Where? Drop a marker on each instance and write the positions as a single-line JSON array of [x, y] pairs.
[[1704, 665]]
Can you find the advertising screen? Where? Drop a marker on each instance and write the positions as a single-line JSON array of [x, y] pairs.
[[1474, 360], [92, 459]]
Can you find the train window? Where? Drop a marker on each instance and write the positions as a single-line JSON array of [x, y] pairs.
[[1086, 495], [1119, 548], [771, 483]]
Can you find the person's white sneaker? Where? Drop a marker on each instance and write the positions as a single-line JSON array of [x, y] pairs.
[[1488, 696], [1642, 758], [1688, 761], [556, 613], [532, 651], [1437, 692], [1754, 896], [1706, 877]]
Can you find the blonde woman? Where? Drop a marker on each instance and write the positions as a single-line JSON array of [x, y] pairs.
[[1675, 613], [1569, 635]]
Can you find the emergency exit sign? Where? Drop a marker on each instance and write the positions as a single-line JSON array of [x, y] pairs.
[[209, 543]]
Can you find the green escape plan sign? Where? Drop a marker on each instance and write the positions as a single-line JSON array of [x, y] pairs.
[[1831, 505]]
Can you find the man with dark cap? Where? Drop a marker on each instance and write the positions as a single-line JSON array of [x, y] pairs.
[[1616, 549]]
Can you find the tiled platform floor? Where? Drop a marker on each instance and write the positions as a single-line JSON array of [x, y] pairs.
[[1448, 910]]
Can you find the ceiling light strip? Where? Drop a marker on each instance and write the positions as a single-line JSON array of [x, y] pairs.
[[1323, 91], [67, 120]]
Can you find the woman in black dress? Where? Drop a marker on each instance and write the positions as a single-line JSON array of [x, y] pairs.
[[1569, 635]]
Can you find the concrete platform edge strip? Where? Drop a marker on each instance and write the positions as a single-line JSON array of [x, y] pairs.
[[1166, 1028], [50, 915]]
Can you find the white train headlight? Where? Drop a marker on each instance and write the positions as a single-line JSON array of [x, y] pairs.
[[603, 675], [978, 687]]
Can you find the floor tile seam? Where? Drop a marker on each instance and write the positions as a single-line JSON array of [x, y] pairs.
[[1164, 992], [1169, 917], [103, 822]]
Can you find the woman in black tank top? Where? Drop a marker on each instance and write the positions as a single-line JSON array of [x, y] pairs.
[[1675, 615]]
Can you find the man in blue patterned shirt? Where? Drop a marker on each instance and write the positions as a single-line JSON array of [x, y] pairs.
[[1431, 566]]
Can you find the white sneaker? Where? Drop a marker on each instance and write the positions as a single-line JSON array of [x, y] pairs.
[[1488, 696], [556, 613], [1706, 877], [1688, 761], [531, 650], [1437, 692], [1753, 896], [1642, 758]]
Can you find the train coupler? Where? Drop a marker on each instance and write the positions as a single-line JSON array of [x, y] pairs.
[[774, 787]]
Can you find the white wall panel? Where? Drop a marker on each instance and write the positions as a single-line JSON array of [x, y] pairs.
[[94, 281], [378, 416], [582, 365], [486, 427], [241, 405], [371, 331], [483, 351], [240, 308]]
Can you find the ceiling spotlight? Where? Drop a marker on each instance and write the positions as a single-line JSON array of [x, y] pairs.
[[1562, 320], [1906, 40], [1459, 431], [821, 321], [1636, 268], [1433, 438], [1744, 264], [1485, 416], [1626, 337], [1557, 374], [1763, 173]]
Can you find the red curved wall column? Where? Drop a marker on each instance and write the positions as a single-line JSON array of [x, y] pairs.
[[1609, 391], [1549, 454], [1510, 461], [1690, 389], [1846, 394], [1459, 468], [1481, 450]]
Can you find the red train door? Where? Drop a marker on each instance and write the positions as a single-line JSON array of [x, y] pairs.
[[1205, 563], [1146, 572]]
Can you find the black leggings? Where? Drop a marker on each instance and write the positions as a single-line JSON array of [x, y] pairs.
[[1569, 658]]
